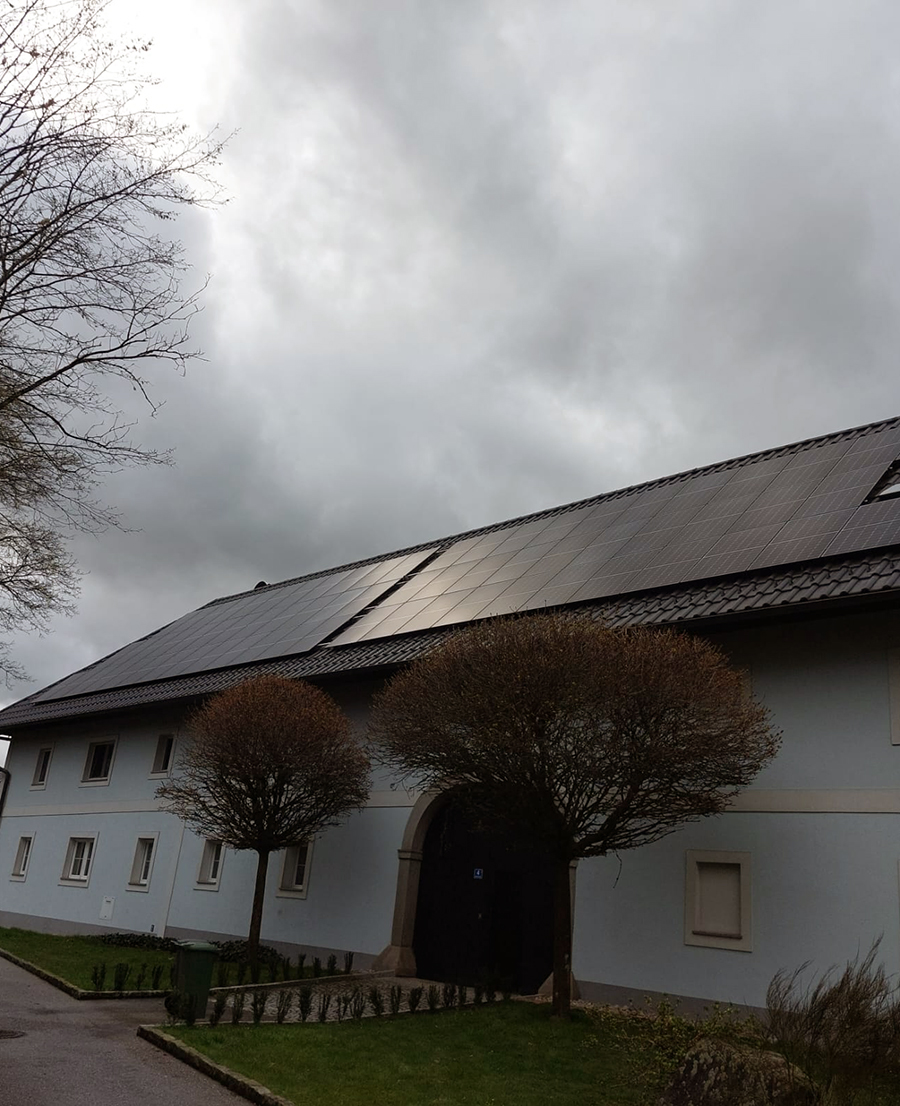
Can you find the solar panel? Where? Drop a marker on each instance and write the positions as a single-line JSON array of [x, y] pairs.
[[271, 622]]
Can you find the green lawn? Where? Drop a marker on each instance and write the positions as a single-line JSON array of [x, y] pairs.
[[72, 958], [509, 1054]]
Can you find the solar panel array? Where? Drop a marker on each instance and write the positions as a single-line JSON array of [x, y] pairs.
[[779, 509], [271, 622], [796, 504]]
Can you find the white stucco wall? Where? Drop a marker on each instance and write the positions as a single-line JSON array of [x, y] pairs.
[[821, 825]]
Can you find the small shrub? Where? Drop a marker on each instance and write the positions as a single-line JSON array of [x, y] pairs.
[[348, 963], [141, 978], [331, 965], [342, 1006], [121, 972], [413, 998], [180, 1007], [317, 967], [433, 997], [463, 996], [301, 960], [156, 973], [219, 1004], [478, 994], [258, 1002], [221, 974], [237, 1006], [98, 976], [236, 951], [283, 1005], [148, 941], [304, 1002], [448, 995], [396, 998], [324, 1003], [376, 1000], [357, 1003]]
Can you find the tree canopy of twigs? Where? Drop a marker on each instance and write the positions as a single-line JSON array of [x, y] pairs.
[[90, 281], [269, 764], [586, 740]]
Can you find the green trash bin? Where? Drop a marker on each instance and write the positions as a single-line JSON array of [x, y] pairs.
[[193, 972]]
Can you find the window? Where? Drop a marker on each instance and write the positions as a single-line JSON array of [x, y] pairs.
[[42, 767], [717, 900], [23, 854], [79, 855], [98, 765], [295, 870], [210, 865], [162, 762], [143, 863]]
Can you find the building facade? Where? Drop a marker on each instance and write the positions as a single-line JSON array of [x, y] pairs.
[[795, 574]]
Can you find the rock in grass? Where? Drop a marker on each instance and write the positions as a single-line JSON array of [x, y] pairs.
[[718, 1073]]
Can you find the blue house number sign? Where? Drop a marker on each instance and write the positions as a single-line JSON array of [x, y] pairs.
[[479, 873]]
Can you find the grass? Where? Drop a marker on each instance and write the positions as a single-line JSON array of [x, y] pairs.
[[489, 1055], [72, 958]]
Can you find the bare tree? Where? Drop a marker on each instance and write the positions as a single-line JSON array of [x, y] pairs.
[[270, 764], [89, 284], [586, 740]]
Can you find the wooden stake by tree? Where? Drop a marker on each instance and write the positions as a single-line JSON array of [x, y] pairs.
[[271, 763], [586, 740]]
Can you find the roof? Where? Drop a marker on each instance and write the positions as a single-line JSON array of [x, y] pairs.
[[798, 524]]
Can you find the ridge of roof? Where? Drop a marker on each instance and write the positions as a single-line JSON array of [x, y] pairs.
[[440, 544]]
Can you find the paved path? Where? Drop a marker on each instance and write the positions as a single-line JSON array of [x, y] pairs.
[[86, 1053]]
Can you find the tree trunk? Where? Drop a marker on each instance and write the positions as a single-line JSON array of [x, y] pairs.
[[562, 940], [259, 894]]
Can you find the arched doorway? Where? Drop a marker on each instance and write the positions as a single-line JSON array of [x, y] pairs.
[[485, 906]]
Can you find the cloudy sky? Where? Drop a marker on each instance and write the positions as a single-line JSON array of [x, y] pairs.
[[481, 258]]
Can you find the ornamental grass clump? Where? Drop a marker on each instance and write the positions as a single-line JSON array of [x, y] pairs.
[[357, 1003], [237, 1006], [304, 1002], [342, 1007], [140, 978], [463, 996], [331, 965], [156, 974], [316, 967], [448, 995], [395, 999], [414, 998], [841, 1030], [433, 997], [348, 963], [376, 1000], [98, 976], [121, 972]]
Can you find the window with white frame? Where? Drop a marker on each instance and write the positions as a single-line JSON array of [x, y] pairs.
[[295, 870], [717, 910], [142, 865], [162, 761], [210, 865], [98, 764], [79, 857], [42, 767], [23, 855]]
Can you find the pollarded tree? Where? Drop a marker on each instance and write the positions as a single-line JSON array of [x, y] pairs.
[[90, 279], [270, 763], [586, 740]]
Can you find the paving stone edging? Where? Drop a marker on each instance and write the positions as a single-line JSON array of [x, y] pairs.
[[240, 1084], [308, 981], [70, 988]]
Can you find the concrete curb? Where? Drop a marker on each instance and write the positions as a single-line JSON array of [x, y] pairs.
[[248, 1088], [312, 981], [70, 988]]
